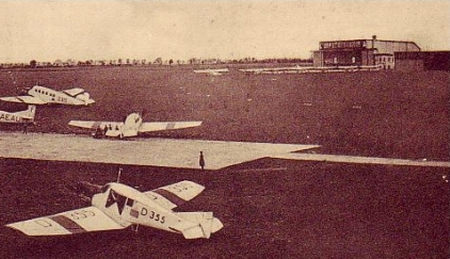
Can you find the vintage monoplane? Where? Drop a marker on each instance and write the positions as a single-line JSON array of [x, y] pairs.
[[119, 206], [38, 95], [273, 70], [26, 116], [131, 127]]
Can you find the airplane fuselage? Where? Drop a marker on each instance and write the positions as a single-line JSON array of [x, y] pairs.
[[39, 95], [129, 128], [115, 202], [53, 97]]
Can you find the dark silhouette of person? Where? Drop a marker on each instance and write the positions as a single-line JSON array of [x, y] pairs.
[[201, 160], [98, 132]]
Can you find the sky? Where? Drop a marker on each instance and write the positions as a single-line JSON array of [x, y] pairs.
[[227, 29]]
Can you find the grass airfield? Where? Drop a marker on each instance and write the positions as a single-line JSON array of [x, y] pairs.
[[383, 114], [270, 207]]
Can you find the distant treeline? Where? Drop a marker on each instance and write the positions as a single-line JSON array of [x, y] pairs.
[[158, 62]]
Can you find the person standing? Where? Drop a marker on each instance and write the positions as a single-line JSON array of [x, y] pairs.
[[201, 160], [25, 128]]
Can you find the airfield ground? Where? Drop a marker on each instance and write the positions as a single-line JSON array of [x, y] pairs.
[[271, 208], [382, 114]]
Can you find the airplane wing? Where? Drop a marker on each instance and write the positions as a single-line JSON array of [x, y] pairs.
[[23, 99], [158, 126], [93, 124], [173, 195], [77, 221], [74, 91], [252, 70]]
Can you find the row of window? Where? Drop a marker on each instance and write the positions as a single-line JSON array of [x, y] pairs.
[[378, 59], [385, 59], [44, 92], [335, 60]]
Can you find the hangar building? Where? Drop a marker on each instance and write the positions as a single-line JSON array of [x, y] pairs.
[[423, 60], [361, 52]]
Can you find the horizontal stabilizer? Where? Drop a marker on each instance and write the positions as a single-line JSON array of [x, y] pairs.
[[74, 91], [197, 224], [80, 95]]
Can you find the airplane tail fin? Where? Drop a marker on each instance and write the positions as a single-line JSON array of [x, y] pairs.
[[28, 113], [197, 224], [131, 125]]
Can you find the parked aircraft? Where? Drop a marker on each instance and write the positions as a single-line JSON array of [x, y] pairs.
[[213, 72], [119, 206], [43, 95], [273, 70], [132, 126], [26, 116], [303, 69]]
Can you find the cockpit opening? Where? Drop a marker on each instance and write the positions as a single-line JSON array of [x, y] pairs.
[[119, 199]]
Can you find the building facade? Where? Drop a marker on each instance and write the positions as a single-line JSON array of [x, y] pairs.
[[361, 52]]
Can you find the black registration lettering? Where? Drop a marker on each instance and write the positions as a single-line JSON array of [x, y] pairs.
[[157, 217]]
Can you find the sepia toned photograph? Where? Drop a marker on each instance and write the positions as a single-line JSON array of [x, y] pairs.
[[225, 129]]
